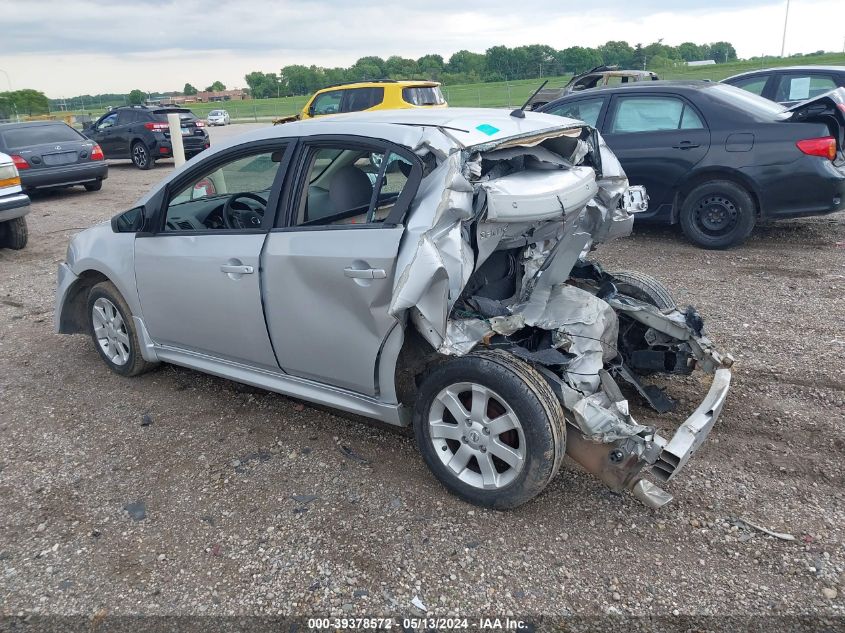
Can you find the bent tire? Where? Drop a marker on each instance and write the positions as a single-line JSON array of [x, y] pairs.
[[490, 429], [645, 288], [15, 233], [113, 331], [141, 157], [94, 186], [718, 214]]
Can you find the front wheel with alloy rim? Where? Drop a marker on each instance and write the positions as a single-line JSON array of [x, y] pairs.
[[490, 428], [141, 156], [113, 331], [718, 214]]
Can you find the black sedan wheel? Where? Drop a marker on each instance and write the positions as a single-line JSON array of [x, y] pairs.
[[141, 156], [717, 215]]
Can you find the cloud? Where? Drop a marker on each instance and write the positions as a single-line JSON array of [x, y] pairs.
[[72, 46]]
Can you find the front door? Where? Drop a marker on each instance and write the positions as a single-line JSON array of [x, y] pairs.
[[329, 268], [198, 277], [103, 135], [658, 139]]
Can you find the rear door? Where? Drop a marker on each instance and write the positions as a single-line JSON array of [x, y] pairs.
[[329, 267], [121, 134], [659, 138]]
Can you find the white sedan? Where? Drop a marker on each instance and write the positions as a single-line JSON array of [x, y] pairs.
[[218, 117]]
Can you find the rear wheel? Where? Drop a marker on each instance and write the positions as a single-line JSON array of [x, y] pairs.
[[94, 186], [141, 157], [718, 214], [490, 429], [113, 331], [14, 233]]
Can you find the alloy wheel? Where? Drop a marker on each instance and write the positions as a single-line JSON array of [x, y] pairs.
[[477, 435], [139, 155], [110, 331]]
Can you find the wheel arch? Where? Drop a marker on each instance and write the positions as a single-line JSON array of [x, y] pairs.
[[73, 317], [714, 173]]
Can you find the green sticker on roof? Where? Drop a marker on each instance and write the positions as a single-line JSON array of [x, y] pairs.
[[486, 128]]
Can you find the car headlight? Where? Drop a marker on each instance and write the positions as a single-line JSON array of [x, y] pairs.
[[9, 176]]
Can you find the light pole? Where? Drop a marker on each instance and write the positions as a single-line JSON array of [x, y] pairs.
[[7, 79], [785, 20]]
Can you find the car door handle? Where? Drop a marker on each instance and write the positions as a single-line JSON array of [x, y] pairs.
[[237, 270], [686, 145], [365, 273]]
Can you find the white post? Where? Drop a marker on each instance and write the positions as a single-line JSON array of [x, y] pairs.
[[176, 138]]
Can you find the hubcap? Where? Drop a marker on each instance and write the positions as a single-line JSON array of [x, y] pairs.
[[110, 330], [716, 215], [477, 435]]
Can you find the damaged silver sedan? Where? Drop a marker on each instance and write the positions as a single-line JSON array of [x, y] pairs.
[[425, 268]]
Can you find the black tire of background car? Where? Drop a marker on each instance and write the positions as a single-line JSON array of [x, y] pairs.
[[136, 364], [94, 186], [136, 160], [645, 288], [14, 233], [726, 194], [531, 399]]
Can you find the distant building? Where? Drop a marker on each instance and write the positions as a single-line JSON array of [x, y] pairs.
[[703, 62], [222, 95]]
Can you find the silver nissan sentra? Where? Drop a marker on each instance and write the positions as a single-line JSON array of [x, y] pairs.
[[423, 268]]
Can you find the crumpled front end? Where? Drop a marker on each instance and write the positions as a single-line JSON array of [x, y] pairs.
[[495, 256]]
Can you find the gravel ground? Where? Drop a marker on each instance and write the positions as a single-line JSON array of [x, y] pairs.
[[181, 493]]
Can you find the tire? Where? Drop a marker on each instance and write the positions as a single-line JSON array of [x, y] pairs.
[[645, 288], [141, 157], [15, 234], [94, 186], [718, 214], [106, 306], [511, 389]]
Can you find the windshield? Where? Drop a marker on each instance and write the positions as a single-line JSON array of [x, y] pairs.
[[423, 95], [215, 113], [38, 134], [752, 104]]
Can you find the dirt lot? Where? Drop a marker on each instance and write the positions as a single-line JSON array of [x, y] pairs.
[[254, 504]]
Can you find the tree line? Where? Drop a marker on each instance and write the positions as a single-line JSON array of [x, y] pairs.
[[498, 63]]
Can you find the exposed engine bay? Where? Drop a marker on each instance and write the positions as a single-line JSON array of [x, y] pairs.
[[502, 262]]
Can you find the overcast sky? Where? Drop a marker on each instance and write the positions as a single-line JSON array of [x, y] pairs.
[[70, 47]]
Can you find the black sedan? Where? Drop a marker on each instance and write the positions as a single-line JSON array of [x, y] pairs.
[[51, 154], [789, 85], [717, 158]]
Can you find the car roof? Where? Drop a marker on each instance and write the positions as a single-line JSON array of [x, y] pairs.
[[840, 69], [647, 86], [464, 127], [379, 83], [8, 126]]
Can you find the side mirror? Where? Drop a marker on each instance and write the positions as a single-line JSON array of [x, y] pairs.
[[130, 221]]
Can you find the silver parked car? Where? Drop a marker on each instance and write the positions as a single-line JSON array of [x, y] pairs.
[[423, 268]]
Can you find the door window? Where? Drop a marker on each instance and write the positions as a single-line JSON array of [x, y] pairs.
[[586, 110], [653, 114], [751, 84], [125, 117], [357, 99], [233, 196], [803, 87], [107, 122], [327, 103], [351, 185]]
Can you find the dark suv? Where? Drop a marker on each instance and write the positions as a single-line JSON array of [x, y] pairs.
[[142, 134]]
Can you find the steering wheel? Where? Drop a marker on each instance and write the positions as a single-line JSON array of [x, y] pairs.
[[247, 218]]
